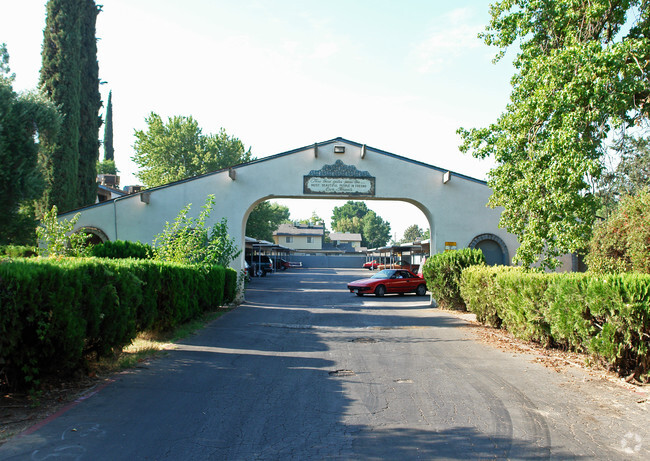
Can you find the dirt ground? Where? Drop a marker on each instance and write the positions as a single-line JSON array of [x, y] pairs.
[[19, 412]]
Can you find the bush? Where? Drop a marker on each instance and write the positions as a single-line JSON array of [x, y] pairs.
[[521, 304], [442, 274], [58, 238], [54, 312], [187, 240], [122, 249], [231, 286], [479, 292], [607, 316], [18, 251], [622, 242]]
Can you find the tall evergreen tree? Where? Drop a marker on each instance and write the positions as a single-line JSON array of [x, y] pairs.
[[109, 151], [90, 104], [69, 77], [61, 82]]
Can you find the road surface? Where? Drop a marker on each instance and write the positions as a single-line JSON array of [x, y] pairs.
[[305, 370]]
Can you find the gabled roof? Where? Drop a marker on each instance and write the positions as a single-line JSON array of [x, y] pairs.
[[290, 229], [344, 237], [283, 154]]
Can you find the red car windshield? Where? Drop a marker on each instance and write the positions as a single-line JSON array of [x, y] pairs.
[[385, 274]]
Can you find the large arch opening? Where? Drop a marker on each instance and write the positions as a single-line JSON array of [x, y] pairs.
[[312, 246]]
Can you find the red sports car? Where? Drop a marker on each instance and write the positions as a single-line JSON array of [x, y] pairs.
[[389, 281], [372, 265]]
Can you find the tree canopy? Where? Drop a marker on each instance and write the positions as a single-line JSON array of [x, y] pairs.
[[413, 233], [23, 118], [357, 218], [630, 175], [264, 219], [579, 74], [178, 149]]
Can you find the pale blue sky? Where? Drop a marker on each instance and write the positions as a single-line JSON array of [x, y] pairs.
[[397, 76]]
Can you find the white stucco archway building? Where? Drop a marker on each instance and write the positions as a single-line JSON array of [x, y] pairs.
[[454, 204]]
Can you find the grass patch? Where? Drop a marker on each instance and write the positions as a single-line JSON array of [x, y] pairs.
[[150, 344]]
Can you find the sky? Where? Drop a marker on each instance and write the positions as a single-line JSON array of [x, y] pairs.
[[282, 74]]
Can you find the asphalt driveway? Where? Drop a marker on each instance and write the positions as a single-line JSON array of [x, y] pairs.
[[306, 370]]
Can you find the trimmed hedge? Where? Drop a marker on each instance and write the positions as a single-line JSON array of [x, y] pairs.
[[122, 249], [442, 274], [607, 316], [230, 289], [54, 312]]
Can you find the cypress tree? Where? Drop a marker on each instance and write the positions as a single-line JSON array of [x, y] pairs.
[[60, 80], [109, 152], [90, 104]]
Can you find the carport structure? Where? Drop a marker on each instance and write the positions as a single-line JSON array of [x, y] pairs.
[[454, 204], [411, 252]]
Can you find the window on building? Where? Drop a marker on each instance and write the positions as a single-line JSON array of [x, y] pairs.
[[288, 239], [309, 240]]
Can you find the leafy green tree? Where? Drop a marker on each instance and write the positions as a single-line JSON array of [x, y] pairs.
[[355, 217], [264, 219], [188, 240], [90, 103], [178, 149], [413, 233], [342, 216], [375, 232], [352, 225], [60, 80], [5, 70], [57, 236], [313, 220], [23, 119], [631, 175], [106, 167], [579, 75], [109, 151]]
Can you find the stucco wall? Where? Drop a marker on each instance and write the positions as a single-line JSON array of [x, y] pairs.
[[456, 211]]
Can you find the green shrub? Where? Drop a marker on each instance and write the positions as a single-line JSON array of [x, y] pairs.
[[55, 312], [605, 315], [522, 306], [620, 310], [230, 290], [57, 236], [622, 242], [122, 249], [442, 274], [566, 301], [18, 251], [479, 292], [188, 240]]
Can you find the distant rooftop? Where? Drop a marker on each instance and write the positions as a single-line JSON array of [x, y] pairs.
[[344, 237], [300, 229]]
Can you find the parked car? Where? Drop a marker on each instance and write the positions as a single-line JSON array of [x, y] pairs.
[[371, 265], [399, 265], [261, 264], [389, 281], [281, 264]]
